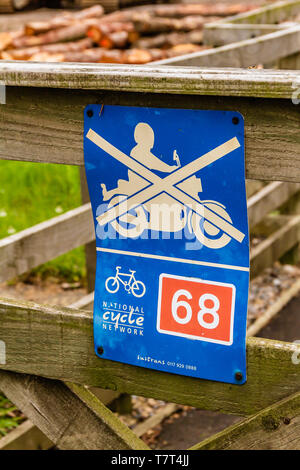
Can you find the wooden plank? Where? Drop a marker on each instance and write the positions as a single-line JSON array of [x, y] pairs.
[[28, 436], [152, 78], [51, 121], [250, 52], [141, 428], [90, 248], [58, 343], [253, 186], [72, 417], [274, 309], [31, 247], [220, 34], [271, 14], [291, 62], [270, 197], [274, 428], [25, 437], [106, 396], [85, 303], [276, 245], [45, 241], [31, 438]]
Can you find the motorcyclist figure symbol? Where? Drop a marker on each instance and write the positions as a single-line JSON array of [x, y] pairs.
[[162, 213]]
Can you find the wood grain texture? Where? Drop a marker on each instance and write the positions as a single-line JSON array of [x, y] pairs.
[[220, 34], [85, 303], [34, 246], [45, 241], [152, 78], [158, 416], [292, 62], [46, 125], [276, 245], [58, 343], [274, 428], [25, 437], [90, 248], [268, 198], [250, 52], [274, 309], [253, 186], [271, 14], [72, 417]]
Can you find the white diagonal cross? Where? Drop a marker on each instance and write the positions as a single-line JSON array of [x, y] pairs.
[[159, 185]]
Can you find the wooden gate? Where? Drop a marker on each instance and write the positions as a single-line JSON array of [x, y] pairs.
[[49, 351]]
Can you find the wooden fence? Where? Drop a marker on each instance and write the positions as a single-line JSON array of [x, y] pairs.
[[250, 39], [49, 351], [32, 247], [262, 21]]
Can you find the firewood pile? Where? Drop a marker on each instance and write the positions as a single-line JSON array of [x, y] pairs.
[[129, 36], [11, 6]]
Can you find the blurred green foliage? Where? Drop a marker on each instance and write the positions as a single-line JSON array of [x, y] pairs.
[[33, 192], [10, 418]]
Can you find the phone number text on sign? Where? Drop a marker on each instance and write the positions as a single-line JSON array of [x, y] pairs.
[[197, 309]]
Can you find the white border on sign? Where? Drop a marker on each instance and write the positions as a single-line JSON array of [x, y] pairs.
[[201, 281], [176, 260]]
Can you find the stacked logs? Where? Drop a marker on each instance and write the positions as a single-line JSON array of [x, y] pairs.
[[130, 36]]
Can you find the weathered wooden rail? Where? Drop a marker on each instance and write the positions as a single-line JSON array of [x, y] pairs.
[[21, 252], [42, 121], [250, 39], [249, 25], [57, 343], [260, 35]]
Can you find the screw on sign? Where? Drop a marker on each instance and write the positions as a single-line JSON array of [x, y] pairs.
[[167, 188]]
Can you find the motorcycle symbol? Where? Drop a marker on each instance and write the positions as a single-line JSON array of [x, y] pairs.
[[131, 285], [160, 212], [173, 218]]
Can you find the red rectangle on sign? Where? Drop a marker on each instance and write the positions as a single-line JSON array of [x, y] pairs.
[[196, 309]]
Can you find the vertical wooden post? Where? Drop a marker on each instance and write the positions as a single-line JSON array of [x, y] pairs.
[[122, 404], [292, 62], [90, 248], [292, 207]]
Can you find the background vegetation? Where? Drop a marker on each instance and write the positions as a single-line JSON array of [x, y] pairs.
[[33, 192], [10, 417]]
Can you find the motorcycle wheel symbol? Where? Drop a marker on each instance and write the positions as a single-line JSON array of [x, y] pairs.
[[134, 222], [137, 288], [122, 224], [206, 232]]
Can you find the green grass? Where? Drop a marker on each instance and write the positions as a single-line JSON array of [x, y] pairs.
[[33, 192], [10, 417]]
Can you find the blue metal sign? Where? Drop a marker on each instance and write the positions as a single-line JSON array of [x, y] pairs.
[[167, 188]]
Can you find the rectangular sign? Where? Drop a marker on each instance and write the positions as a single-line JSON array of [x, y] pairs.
[[167, 188], [196, 309]]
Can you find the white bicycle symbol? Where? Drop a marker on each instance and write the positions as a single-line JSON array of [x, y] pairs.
[[131, 285]]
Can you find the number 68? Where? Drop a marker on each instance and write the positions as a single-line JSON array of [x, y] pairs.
[[203, 309]]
